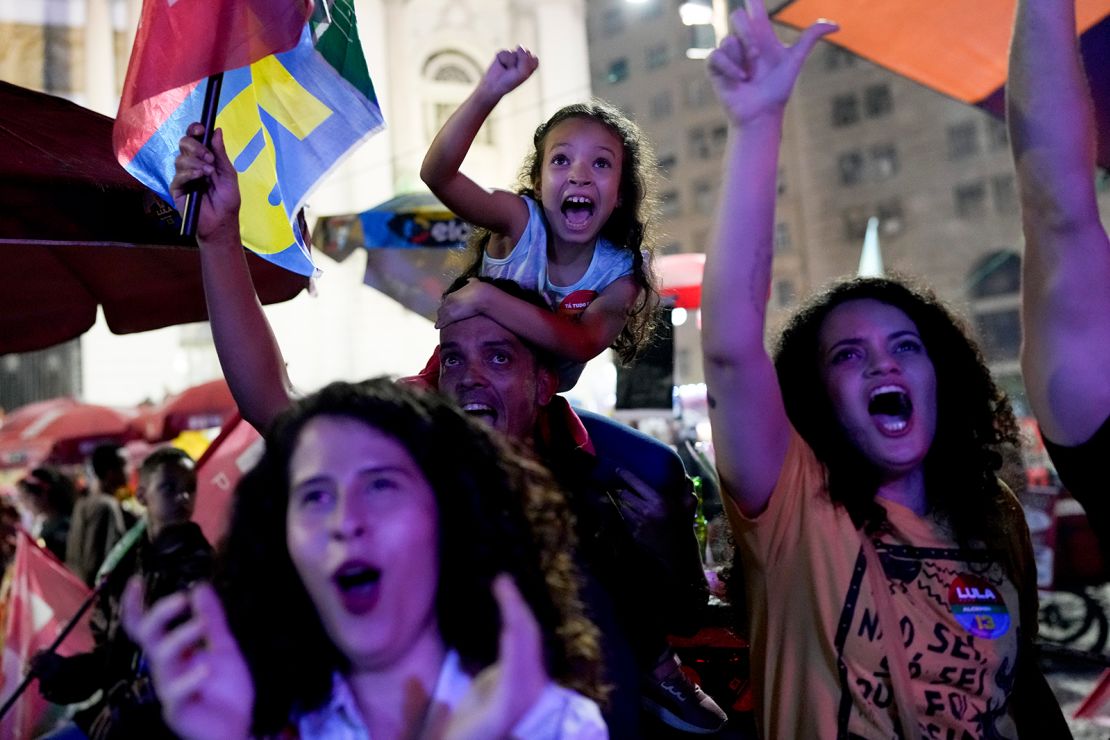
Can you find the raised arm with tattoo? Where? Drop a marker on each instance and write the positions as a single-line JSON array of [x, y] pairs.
[[753, 74]]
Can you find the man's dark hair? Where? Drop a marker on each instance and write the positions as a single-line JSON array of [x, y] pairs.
[[543, 358], [169, 457], [107, 458]]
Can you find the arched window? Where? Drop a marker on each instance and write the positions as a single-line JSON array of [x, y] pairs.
[[450, 75], [999, 273], [994, 288]]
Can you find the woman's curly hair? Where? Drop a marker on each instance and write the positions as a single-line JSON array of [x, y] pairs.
[[974, 417], [499, 512], [629, 226]]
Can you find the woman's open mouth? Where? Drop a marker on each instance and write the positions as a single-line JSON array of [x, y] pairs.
[[359, 586], [891, 408]]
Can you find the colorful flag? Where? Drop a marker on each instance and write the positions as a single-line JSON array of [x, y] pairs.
[[288, 119], [42, 596]]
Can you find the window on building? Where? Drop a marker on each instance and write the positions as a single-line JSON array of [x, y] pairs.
[[699, 92], [997, 274], [850, 167], [892, 219], [963, 140], [838, 58], [971, 199], [1102, 181], [786, 293], [782, 237], [666, 163], [651, 9], [662, 105], [705, 197], [994, 286], [451, 72], [999, 334], [699, 144], [1005, 194], [718, 137], [780, 182], [668, 204], [450, 77], [877, 101], [845, 110], [658, 56], [618, 71], [612, 22], [884, 161]]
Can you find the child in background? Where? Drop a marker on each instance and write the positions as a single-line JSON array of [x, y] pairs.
[[574, 230]]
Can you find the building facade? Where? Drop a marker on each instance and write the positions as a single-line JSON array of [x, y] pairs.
[[859, 142]]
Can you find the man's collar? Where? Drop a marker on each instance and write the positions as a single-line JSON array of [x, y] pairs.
[[558, 425]]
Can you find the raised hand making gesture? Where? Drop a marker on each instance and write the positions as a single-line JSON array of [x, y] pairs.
[[509, 69], [752, 71]]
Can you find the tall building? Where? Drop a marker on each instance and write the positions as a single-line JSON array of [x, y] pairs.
[[859, 142]]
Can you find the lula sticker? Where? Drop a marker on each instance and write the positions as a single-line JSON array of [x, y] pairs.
[[978, 606]]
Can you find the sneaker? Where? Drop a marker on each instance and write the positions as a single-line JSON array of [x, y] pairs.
[[679, 702]]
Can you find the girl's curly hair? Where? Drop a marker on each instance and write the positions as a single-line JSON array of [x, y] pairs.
[[974, 417], [499, 512]]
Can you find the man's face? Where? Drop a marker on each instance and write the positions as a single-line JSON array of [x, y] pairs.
[[493, 376], [169, 494]]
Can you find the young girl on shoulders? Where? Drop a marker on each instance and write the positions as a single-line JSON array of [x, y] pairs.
[[575, 230]]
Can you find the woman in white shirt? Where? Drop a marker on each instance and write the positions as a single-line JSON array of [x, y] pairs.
[[361, 582]]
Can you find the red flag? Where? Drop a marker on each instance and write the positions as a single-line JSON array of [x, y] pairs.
[[41, 598], [225, 461], [180, 42]]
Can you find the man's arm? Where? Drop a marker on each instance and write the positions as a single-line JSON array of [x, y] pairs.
[[1066, 269]]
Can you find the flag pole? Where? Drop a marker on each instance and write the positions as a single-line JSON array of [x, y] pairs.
[[111, 560], [208, 118], [31, 676]]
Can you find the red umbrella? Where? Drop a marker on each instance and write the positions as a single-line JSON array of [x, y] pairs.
[[957, 47], [201, 407], [77, 232], [219, 469], [680, 276], [64, 433]]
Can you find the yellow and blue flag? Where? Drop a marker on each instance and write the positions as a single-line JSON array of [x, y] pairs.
[[288, 119]]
